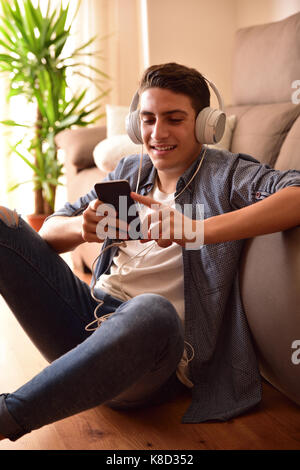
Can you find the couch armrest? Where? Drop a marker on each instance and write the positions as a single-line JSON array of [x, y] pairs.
[[270, 280], [78, 145]]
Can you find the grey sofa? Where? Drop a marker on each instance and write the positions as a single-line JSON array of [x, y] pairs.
[[266, 61]]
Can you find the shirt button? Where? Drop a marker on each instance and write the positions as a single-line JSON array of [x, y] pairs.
[[258, 194]]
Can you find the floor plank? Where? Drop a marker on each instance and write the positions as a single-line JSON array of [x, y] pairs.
[[274, 424]]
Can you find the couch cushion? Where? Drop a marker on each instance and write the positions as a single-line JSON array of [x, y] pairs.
[[266, 61], [115, 119], [83, 182], [80, 143], [289, 157], [109, 152], [260, 130]]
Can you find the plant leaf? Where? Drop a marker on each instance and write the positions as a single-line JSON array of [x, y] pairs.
[[15, 186], [10, 122], [34, 168], [32, 42]]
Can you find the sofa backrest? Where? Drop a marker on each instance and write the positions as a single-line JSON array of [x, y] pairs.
[[266, 62]]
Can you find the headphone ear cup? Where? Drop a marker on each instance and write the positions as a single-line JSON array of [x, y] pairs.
[[210, 126], [133, 127]]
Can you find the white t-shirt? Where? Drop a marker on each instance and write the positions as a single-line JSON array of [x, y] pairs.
[[146, 267]]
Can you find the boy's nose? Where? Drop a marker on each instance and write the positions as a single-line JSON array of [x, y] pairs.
[[159, 131]]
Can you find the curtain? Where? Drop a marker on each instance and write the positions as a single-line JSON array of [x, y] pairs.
[[120, 29], [92, 21]]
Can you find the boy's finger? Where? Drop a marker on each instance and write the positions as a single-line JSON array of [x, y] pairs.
[[94, 204], [146, 200]]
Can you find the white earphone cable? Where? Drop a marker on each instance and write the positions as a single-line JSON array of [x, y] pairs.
[[99, 320]]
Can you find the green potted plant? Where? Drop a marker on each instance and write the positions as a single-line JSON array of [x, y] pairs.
[[32, 54]]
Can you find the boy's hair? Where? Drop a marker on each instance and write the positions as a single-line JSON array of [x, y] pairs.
[[179, 79]]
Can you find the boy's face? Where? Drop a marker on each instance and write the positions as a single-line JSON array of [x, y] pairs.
[[168, 129]]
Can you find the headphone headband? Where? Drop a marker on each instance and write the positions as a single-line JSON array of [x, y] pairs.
[[219, 97], [134, 102]]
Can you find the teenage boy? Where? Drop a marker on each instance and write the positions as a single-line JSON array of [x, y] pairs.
[[176, 317]]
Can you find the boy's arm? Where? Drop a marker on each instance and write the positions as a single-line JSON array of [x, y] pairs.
[[65, 233], [62, 233], [76, 223], [278, 212]]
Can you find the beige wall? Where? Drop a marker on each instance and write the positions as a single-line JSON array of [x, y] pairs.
[[198, 33]]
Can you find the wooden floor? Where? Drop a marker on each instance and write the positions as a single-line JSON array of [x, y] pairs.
[[275, 424]]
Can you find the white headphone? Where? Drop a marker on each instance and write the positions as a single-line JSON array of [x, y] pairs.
[[209, 126]]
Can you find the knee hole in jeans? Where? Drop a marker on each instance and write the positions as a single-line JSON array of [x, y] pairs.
[[9, 217]]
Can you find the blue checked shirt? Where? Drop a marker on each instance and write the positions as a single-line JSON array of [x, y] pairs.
[[224, 369]]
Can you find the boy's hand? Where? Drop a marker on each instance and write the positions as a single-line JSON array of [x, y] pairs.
[[90, 221], [95, 231], [166, 225]]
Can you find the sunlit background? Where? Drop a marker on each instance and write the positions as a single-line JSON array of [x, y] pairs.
[[12, 168]]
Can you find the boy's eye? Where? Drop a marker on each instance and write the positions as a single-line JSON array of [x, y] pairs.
[[148, 121], [171, 120]]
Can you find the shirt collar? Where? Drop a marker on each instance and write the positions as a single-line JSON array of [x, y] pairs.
[[184, 179], [148, 175]]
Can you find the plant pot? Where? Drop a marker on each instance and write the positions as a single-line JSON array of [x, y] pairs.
[[36, 220]]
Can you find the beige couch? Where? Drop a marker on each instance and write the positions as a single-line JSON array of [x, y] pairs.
[[266, 61]]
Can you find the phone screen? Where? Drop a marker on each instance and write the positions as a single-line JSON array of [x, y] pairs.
[[117, 193]]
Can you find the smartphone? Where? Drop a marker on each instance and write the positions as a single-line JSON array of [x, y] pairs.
[[117, 193]]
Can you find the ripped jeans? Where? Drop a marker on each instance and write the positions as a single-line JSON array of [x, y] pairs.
[[130, 361]]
